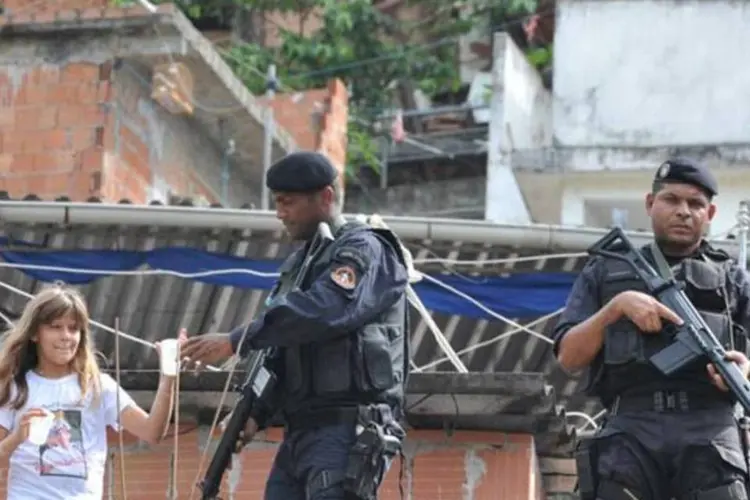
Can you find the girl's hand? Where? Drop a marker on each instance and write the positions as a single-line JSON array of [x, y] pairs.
[[181, 339], [21, 432]]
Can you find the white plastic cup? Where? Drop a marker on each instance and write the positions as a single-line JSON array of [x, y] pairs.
[[39, 428], [169, 358]]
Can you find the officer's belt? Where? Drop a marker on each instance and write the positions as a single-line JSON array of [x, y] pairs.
[[314, 419], [667, 401], [349, 415]]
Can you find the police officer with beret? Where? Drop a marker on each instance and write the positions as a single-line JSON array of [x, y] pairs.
[[664, 437], [340, 339]]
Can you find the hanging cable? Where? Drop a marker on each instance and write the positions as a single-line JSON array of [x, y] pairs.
[[486, 309], [120, 438], [102, 326], [485, 343]]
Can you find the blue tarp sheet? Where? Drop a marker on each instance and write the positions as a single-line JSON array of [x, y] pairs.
[[515, 296]]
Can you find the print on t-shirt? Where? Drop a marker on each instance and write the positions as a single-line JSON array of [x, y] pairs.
[[63, 454]]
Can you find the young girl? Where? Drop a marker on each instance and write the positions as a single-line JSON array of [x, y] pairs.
[[47, 367]]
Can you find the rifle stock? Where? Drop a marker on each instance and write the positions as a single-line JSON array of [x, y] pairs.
[[693, 339], [259, 384]]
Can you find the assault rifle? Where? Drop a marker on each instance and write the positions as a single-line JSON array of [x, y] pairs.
[[691, 340], [258, 386]]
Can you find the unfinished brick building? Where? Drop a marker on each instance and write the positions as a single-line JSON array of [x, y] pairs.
[[79, 122]]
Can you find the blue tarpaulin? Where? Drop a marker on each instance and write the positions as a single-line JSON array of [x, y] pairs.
[[522, 295]]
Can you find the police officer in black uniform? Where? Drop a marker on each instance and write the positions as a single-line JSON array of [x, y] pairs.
[[341, 343], [664, 437]]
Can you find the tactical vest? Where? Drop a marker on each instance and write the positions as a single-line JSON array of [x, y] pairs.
[[706, 283], [367, 366]]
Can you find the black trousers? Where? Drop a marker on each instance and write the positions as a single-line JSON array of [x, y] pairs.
[[682, 455]]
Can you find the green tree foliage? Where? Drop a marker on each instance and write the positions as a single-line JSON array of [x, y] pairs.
[[370, 51]]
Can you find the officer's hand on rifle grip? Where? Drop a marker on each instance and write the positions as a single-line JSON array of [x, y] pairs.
[[645, 311], [247, 435], [734, 356]]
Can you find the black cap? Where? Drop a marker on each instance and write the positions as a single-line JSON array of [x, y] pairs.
[[301, 172], [687, 171]]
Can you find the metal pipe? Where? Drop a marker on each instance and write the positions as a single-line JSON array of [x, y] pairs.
[[743, 224], [529, 237], [268, 131]]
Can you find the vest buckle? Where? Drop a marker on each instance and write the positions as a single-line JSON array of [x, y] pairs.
[[670, 401]]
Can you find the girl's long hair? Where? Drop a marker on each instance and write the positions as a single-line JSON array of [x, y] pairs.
[[18, 352]]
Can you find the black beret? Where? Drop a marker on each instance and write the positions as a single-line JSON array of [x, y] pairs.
[[301, 172], [687, 171]]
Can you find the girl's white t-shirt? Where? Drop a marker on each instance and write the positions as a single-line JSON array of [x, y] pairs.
[[70, 466]]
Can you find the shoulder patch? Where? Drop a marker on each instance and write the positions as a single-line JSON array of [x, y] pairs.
[[345, 277]]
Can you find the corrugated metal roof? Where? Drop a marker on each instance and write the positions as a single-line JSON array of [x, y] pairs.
[[154, 307]]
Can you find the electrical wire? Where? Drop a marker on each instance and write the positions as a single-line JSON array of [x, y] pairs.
[[252, 272], [485, 343], [99, 325]]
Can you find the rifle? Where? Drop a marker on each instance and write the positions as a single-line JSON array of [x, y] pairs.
[[693, 339], [258, 385]]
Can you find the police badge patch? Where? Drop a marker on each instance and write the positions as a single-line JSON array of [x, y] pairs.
[[345, 277], [663, 170]]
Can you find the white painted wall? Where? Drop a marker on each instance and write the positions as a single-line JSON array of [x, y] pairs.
[[635, 82], [609, 189], [520, 119], [651, 73], [527, 105]]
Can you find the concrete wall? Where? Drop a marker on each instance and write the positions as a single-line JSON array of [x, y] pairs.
[[449, 198], [651, 73], [462, 465], [526, 118], [79, 128], [520, 120], [151, 152], [629, 192], [587, 198], [626, 99]]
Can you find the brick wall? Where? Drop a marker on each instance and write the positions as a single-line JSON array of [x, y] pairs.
[[466, 465], [333, 127], [52, 5], [317, 119], [79, 129], [151, 151], [84, 129], [296, 112], [51, 128]]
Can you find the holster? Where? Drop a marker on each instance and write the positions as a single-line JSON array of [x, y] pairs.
[[586, 460], [379, 439]]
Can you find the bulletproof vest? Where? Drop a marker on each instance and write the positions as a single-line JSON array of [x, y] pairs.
[[705, 281], [367, 366]]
